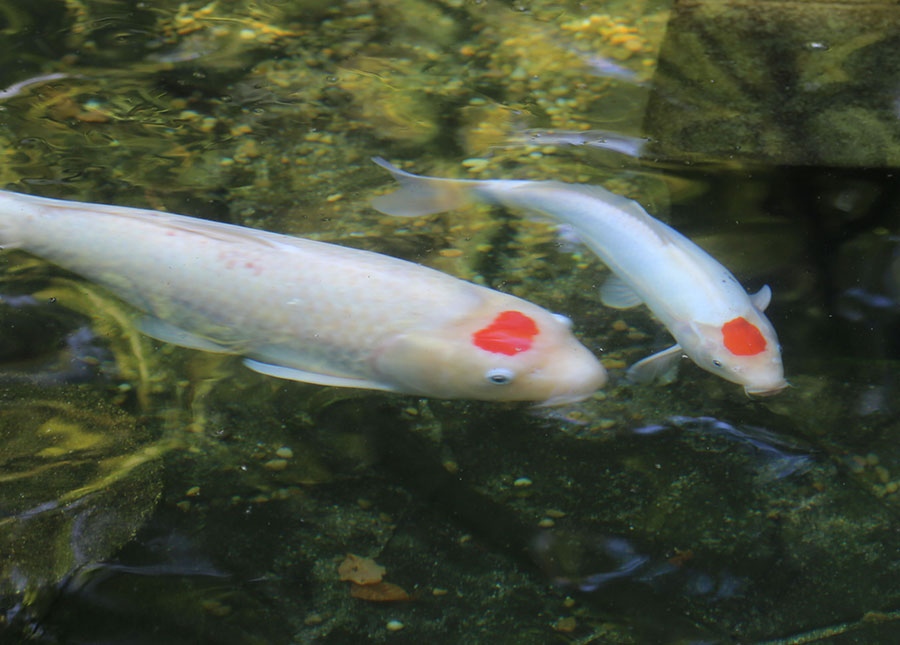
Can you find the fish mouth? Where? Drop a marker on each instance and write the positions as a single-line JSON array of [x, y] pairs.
[[764, 391]]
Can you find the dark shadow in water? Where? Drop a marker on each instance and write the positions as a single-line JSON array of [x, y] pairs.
[[623, 569], [161, 588]]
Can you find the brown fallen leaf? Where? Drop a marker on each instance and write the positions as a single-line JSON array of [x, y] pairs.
[[379, 592], [362, 571]]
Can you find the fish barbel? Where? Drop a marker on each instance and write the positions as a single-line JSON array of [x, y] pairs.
[[309, 311], [714, 321]]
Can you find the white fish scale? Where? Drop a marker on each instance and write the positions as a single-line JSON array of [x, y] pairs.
[[322, 303]]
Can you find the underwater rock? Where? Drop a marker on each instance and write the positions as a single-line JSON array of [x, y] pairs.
[[43, 343], [78, 480]]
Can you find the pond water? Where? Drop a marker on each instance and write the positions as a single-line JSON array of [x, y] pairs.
[[152, 493]]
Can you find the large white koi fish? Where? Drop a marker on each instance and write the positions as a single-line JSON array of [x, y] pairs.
[[309, 311], [713, 320]]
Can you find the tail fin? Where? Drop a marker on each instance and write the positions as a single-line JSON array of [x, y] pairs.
[[420, 195]]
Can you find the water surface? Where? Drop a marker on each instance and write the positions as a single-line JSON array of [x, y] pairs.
[[152, 493]]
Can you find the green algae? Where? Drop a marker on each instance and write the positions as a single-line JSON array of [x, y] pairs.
[[784, 82], [78, 481]]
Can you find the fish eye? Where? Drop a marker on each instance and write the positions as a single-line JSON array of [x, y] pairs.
[[499, 376], [717, 363]]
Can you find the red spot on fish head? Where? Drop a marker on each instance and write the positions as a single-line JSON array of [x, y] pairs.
[[742, 338], [511, 332]]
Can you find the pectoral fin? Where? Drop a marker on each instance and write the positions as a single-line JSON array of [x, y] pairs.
[[761, 298], [618, 295], [169, 333], [293, 374], [661, 367]]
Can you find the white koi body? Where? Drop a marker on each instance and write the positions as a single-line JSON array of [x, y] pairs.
[[309, 311], [712, 318]]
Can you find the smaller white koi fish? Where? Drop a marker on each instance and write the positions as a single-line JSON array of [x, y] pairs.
[[715, 323], [310, 311]]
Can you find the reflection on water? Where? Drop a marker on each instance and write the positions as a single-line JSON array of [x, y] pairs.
[[154, 493]]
